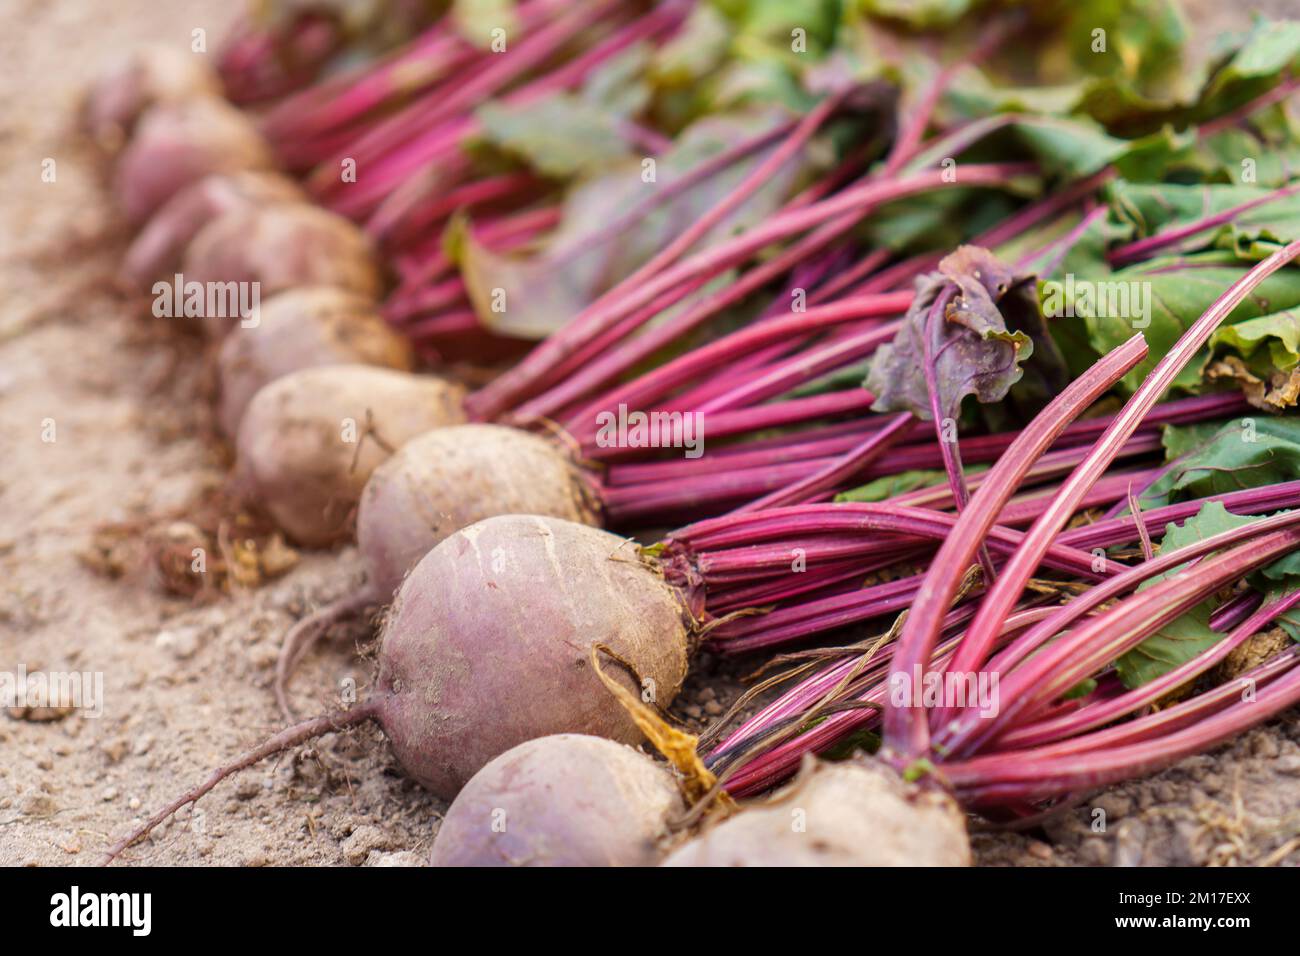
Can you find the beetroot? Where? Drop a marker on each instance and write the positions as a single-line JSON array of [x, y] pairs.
[[564, 800], [148, 76], [488, 646], [436, 485], [282, 246], [309, 441], [176, 144], [487, 643], [159, 246], [848, 814], [303, 328]]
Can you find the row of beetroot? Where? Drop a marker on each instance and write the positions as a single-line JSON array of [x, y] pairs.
[[749, 293]]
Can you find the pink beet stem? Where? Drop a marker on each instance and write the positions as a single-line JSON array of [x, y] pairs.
[[1002, 596], [906, 731]]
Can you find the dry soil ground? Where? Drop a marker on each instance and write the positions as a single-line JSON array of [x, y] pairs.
[[186, 685]]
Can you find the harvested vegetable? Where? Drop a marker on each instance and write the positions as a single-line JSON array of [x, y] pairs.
[[304, 327], [162, 242], [1013, 638], [280, 247], [531, 595], [147, 77], [434, 485], [564, 800], [419, 496], [847, 814], [178, 144], [488, 646], [752, 294], [308, 441]]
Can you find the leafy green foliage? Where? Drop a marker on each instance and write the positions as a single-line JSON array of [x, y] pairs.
[[571, 134], [888, 486], [561, 136], [476, 19], [1216, 458], [1190, 634], [1173, 293], [1253, 234], [1180, 640]]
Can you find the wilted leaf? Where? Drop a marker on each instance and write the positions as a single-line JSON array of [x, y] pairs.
[[1279, 390], [991, 326]]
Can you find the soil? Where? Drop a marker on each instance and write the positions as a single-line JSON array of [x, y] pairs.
[[103, 419]]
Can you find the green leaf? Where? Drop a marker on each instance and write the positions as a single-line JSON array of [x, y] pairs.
[[619, 85], [941, 219], [866, 741], [1252, 234], [561, 136], [888, 486], [1162, 299], [1056, 249], [1081, 689], [1182, 639], [1267, 51], [695, 51], [1062, 250], [759, 83], [972, 95], [567, 134], [1242, 453], [772, 22], [1235, 153], [1180, 440], [1188, 635], [1073, 148], [923, 14], [476, 19], [1278, 333]]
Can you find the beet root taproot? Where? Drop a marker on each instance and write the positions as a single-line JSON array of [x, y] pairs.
[[308, 441], [177, 144], [450, 478], [855, 813], [158, 249], [279, 247], [153, 74], [436, 484], [488, 642], [303, 328], [489, 645], [563, 800]]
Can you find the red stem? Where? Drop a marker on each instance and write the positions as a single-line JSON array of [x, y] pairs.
[[1002, 596], [906, 730]]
